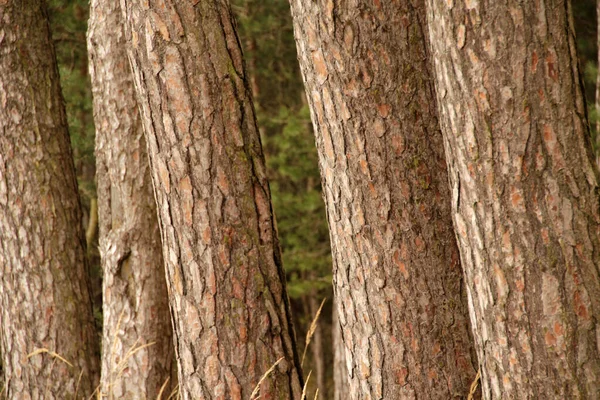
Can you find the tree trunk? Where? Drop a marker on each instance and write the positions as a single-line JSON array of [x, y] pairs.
[[524, 193], [49, 343], [135, 309], [397, 276], [597, 105], [341, 390], [316, 344], [226, 283]]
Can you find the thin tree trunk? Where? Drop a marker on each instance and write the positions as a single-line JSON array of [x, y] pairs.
[[135, 301], [397, 277], [525, 193], [49, 343], [341, 390], [317, 346], [597, 149], [226, 283]]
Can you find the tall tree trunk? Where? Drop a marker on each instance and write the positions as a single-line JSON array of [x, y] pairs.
[[597, 105], [397, 276], [316, 344], [135, 309], [341, 389], [524, 193], [226, 283], [49, 343]]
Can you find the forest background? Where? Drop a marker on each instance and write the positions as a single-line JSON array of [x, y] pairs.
[[266, 31]]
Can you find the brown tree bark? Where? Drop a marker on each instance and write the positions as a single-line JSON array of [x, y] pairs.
[[226, 283], [524, 193], [341, 389], [397, 277], [597, 103], [135, 302], [49, 344]]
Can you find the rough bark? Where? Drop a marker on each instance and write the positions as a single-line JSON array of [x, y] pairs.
[[397, 276], [135, 301], [341, 389], [524, 193], [44, 284], [226, 283], [597, 103]]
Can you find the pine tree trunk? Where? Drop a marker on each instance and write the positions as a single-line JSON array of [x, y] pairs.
[[135, 309], [226, 282], [597, 105], [341, 390], [397, 276], [524, 193], [46, 315], [317, 346]]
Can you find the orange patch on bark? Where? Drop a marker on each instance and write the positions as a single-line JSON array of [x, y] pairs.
[[550, 339], [580, 308], [551, 63], [398, 144], [384, 110], [420, 243], [401, 376], [558, 329], [520, 284], [534, 61], [516, 199], [432, 375], [206, 235], [545, 235], [363, 167]]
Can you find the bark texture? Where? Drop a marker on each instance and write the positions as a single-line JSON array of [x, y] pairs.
[[341, 389], [597, 102], [226, 283], [44, 283], [397, 276], [135, 301], [524, 193]]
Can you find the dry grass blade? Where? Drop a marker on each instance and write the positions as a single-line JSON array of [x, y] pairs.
[[257, 388], [311, 330], [122, 365], [305, 386], [162, 389], [316, 394], [51, 353], [174, 393], [78, 382], [98, 391], [474, 385]]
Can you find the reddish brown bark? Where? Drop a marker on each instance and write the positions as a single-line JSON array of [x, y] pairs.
[[397, 277], [226, 283], [525, 193], [45, 305], [137, 350]]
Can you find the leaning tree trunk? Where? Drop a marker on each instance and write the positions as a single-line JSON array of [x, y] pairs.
[[524, 193], [49, 343], [135, 310], [226, 283], [397, 276]]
